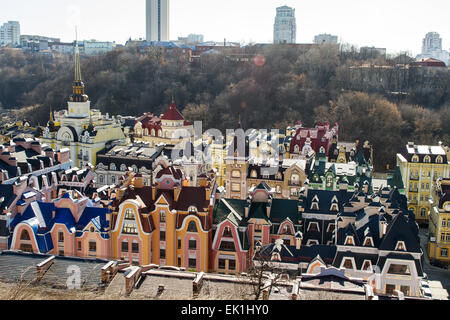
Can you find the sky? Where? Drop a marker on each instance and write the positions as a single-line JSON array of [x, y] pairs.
[[398, 25]]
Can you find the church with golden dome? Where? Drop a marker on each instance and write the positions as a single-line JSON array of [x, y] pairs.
[[82, 130]]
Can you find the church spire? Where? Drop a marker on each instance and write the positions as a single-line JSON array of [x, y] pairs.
[[78, 94]]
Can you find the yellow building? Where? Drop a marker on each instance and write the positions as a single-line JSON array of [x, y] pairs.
[[420, 167], [82, 130], [439, 226]]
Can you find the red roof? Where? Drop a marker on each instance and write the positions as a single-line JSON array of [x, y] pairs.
[[172, 113]]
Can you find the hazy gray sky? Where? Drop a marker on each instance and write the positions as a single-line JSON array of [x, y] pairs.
[[397, 25]]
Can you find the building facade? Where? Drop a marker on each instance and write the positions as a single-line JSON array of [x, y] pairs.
[[158, 20], [10, 33], [421, 166], [325, 39], [285, 27], [439, 225]]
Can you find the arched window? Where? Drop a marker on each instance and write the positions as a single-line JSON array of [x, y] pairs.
[[423, 212], [439, 159], [254, 174], [112, 167], [415, 158], [322, 150], [25, 235], [296, 149], [192, 227], [427, 159], [101, 179], [129, 214], [123, 167], [153, 132]]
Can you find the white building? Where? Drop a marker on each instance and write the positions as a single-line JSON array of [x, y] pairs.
[[325, 38], [10, 33], [432, 48], [285, 28], [158, 20], [94, 47]]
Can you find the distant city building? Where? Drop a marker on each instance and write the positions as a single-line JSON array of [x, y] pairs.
[[94, 47], [191, 39], [325, 38], [432, 48], [158, 20], [372, 52], [10, 33], [27, 38], [285, 28]]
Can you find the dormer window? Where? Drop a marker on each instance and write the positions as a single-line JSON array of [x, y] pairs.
[[349, 241], [276, 257], [348, 263], [439, 159], [368, 242], [313, 226], [312, 242], [427, 159], [254, 174], [286, 230], [315, 206], [400, 246], [415, 158], [367, 265], [331, 227], [322, 150]]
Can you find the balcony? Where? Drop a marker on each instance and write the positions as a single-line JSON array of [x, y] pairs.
[[414, 177]]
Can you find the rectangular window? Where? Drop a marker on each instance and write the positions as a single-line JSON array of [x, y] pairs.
[[192, 263], [179, 261], [60, 237], [192, 244], [444, 252], [92, 246], [162, 236], [399, 269], [442, 237], [135, 247], [405, 290], [79, 245], [447, 237], [179, 243], [235, 187], [222, 263], [390, 289], [443, 223], [232, 264], [162, 254], [61, 253], [125, 246]]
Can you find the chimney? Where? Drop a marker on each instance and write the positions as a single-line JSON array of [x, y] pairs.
[[138, 181], [298, 240], [208, 193], [268, 208]]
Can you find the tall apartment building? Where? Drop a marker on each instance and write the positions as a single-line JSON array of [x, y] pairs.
[[10, 33], [432, 48], [421, 166], [431, 42], [158, 20], [325, 38], [285, 28]]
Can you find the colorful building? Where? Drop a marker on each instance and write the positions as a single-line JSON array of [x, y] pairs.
[[72, 225], [421, 166], [82, 130], [439, 225]]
